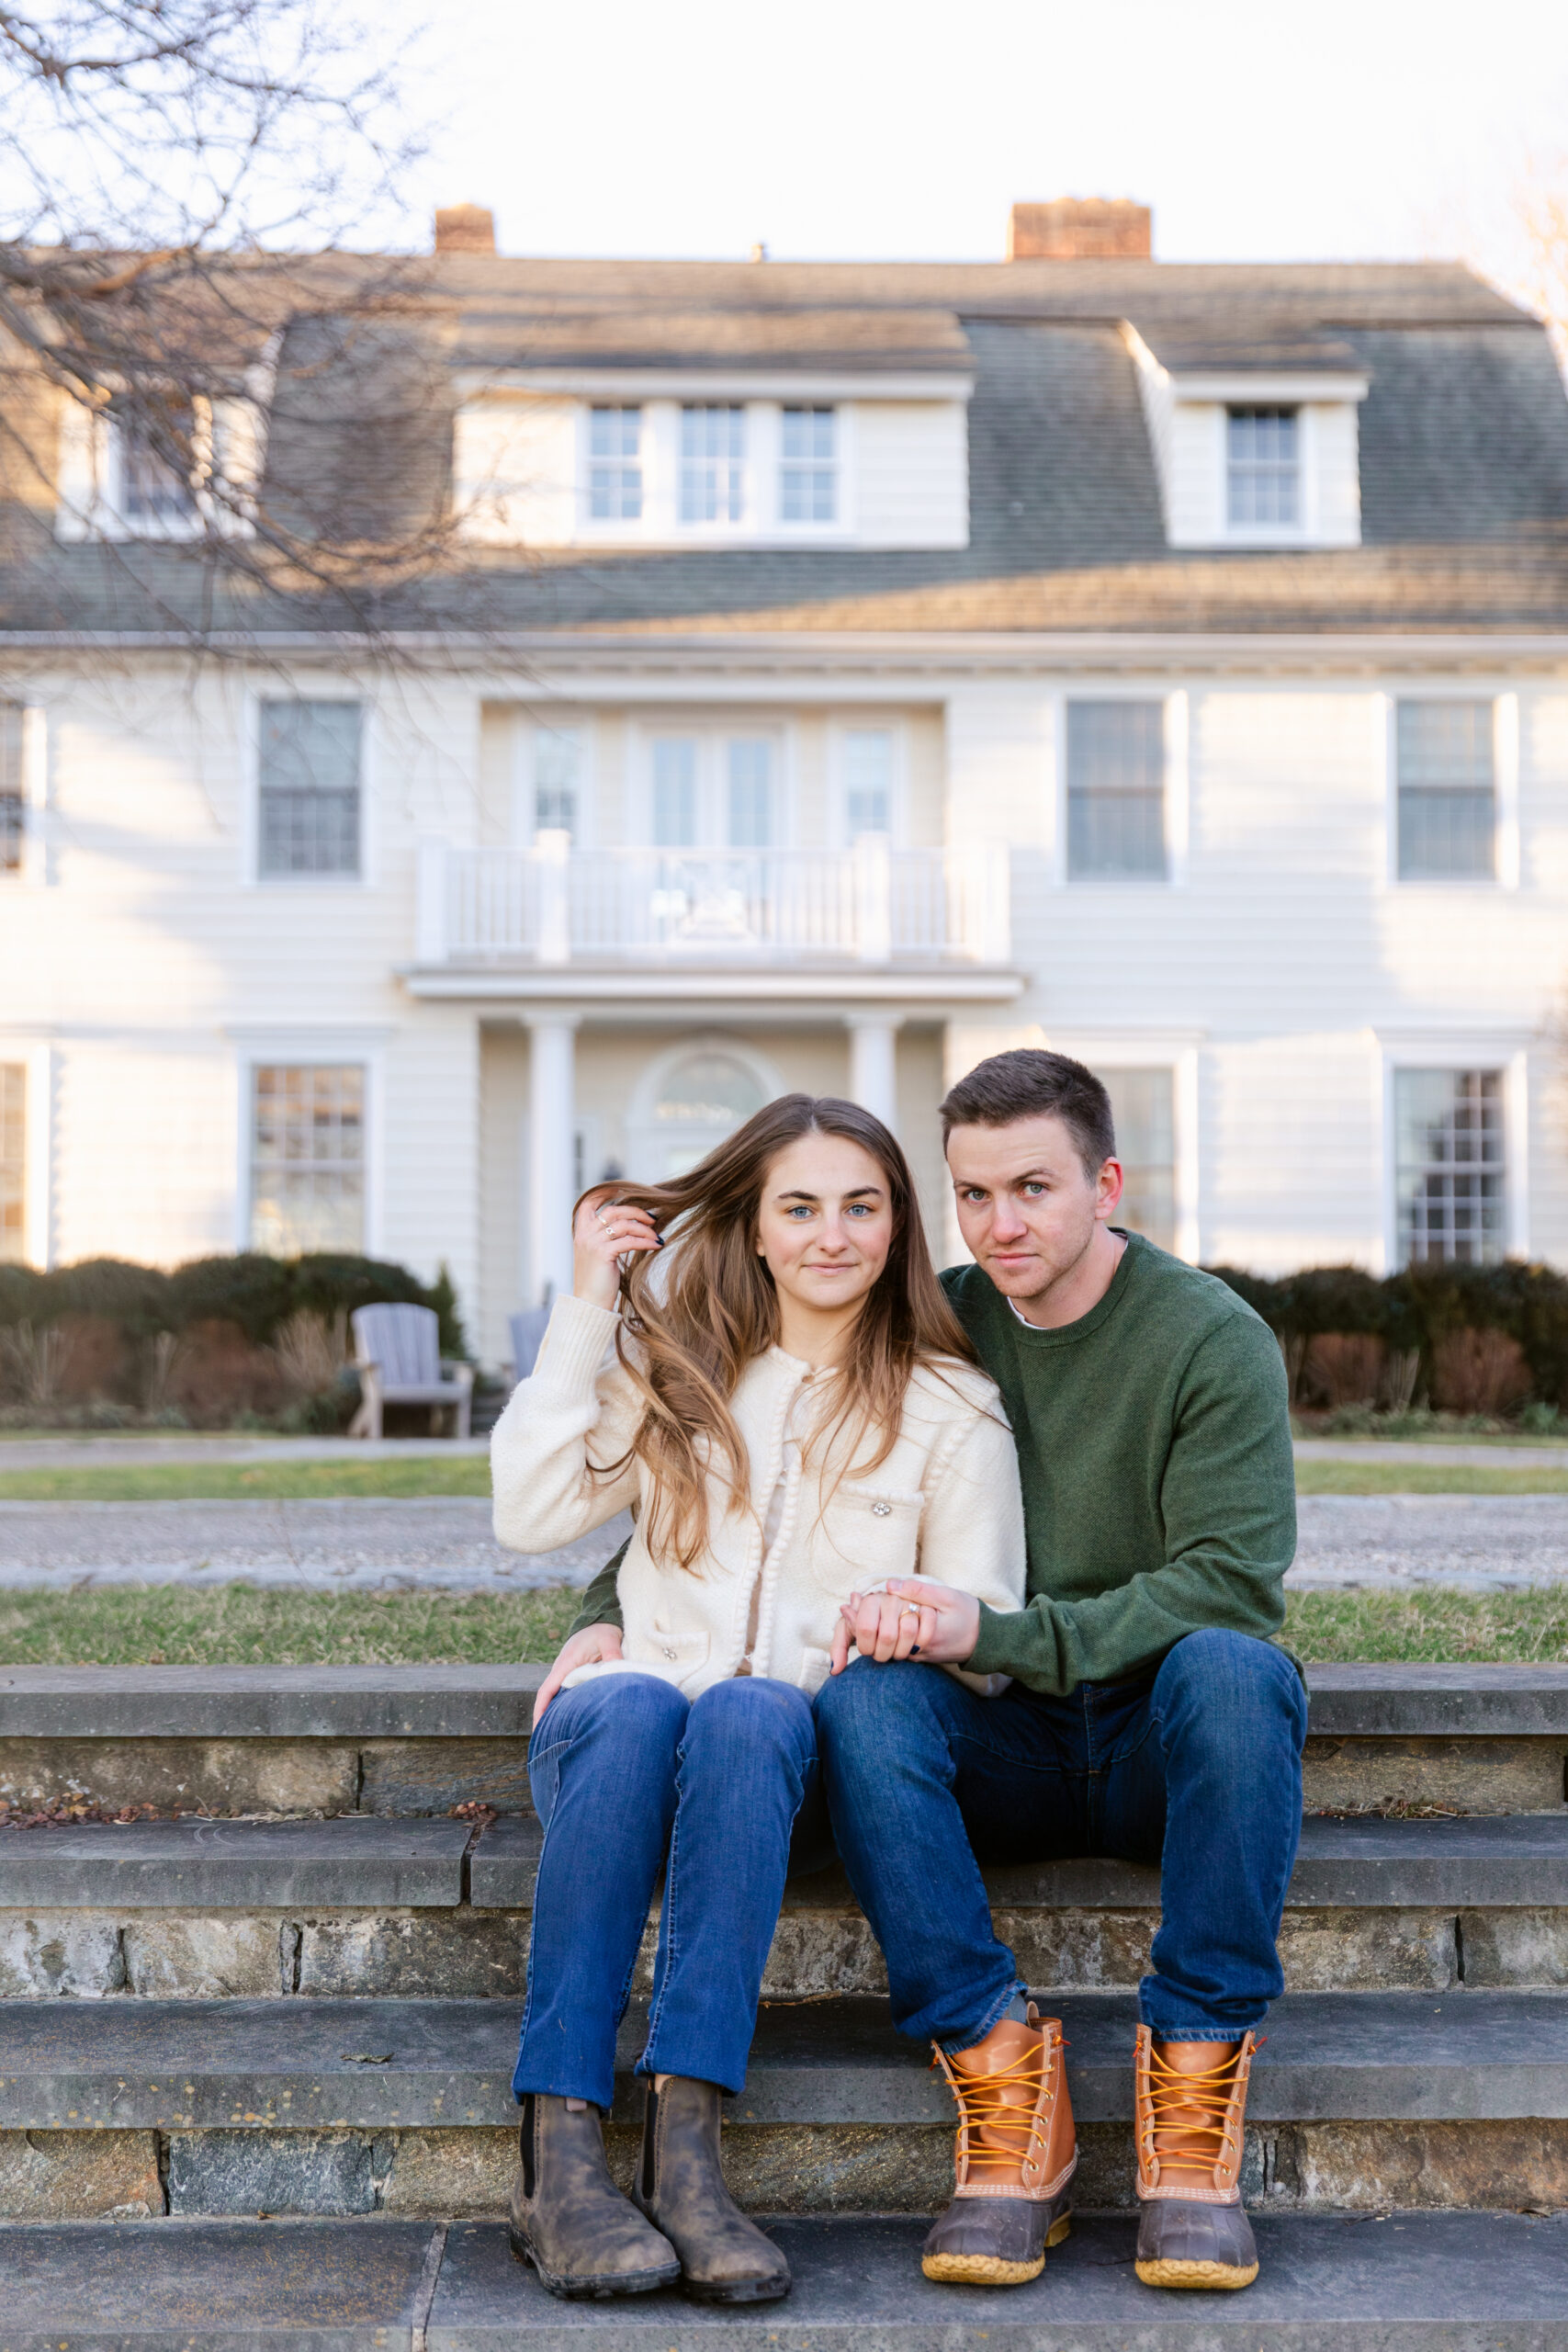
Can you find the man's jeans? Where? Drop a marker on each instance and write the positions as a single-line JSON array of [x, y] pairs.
[[1197, 1766], [623, 1767]]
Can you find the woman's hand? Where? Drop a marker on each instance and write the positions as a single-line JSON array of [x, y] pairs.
[[591, 1647], [604, 1231], [912, 1619]]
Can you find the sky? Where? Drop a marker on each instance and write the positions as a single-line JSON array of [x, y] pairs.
[[1343, 130]]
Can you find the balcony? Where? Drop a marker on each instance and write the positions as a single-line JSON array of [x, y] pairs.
[[870, 907]]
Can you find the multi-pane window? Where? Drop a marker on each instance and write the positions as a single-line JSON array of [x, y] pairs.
[[807, 475], [1115, 789], [1451, 1170], [750, 792], [13, 1158], [307, 1157], [557, 766], [615, 465], [1447, 812], [1263, 465], [868, 780], [154, 485], [1142, 1105], [713, 464], [13, 807], [674, 792], [309, 787]]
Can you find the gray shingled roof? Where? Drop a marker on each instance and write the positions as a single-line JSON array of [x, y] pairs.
[[1464, 452]]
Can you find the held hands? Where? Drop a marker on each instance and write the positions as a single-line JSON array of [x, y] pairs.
[[591, 1647], [912, 1618], [604, 1231]]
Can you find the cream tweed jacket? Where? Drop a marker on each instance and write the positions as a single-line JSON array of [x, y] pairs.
[[944, 1504]]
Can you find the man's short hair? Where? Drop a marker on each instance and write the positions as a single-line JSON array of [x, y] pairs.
[[1030, 1083]]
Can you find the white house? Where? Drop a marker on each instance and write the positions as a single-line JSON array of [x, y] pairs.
[[843, 671]]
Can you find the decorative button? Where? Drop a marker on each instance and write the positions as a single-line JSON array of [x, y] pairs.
[[882, 1511], [668, 1653]]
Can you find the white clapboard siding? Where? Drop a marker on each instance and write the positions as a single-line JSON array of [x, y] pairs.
[[513, 470], [1195, 494], [911, 473], [80, 465], [1332, 431]]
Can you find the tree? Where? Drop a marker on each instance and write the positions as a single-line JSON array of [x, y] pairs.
[[179, 182]]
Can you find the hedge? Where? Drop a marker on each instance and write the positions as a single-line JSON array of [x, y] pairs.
[[257, 1293], [1416, 1310]]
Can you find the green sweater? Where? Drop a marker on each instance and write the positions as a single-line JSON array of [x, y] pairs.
[[1154, 1444]]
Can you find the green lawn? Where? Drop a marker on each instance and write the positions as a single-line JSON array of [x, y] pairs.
[[1422, 1478], [234, 1626]]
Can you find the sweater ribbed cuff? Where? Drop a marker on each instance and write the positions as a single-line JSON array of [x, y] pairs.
[[995, 1651], [576, 1340]]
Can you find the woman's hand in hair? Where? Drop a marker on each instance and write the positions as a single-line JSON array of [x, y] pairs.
[[604, 1231], [913, 1618], [591, 1647]]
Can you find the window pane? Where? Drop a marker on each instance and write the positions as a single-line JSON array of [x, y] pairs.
[[13, 810], [156, 467], [674, 792], [309, 787], [614, 479], [713, 450], [1448, 815], [13, 1158], [868, 780], [307, 1158], [1263, 465], [1142, 1104], [750, 793], [1450, 1169], [807, 478], [1116, 788], [557, 761]]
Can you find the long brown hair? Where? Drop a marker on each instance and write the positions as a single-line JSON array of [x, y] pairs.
[[694, 1315]]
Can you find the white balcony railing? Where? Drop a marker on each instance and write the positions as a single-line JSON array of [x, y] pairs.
[[871, 904]]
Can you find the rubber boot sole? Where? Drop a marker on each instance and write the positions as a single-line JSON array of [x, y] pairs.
[[1169, 2272], [989, 2270], [738, 2290], [568, 2288]]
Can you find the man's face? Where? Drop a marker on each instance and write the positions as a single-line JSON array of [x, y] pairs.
[[1026, 1207]]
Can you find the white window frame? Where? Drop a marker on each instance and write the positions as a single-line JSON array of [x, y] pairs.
[[310, 690], [524, 778], [710, 734], [641, 1128], [1179, 1054], [622, 525], [331, 1048], [1507, 848], [90, 490], [1479, 1050], [1176, 729], [40, 1065], [1296, 411], [840, 730], [762, 519], [809, 527]]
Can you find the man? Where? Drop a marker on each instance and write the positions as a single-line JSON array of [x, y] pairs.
[[1148, 1712]]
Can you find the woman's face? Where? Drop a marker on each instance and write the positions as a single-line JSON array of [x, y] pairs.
[[824, 1223]]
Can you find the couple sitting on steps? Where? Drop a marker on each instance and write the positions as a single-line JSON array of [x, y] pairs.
[[938, 1572]]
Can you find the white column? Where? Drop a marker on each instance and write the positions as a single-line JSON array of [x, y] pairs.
[[873, 1063], [551, 1124]]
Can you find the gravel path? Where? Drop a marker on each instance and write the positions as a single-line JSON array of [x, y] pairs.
[[346, 1544], [358, 1544]]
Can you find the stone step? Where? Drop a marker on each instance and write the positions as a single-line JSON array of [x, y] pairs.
[[297, 2063], [421, 1739], [220, 1865], [1514, 1861], [1421, 2282]]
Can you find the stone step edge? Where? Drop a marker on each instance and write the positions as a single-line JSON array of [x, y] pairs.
[[1370, 1701], [299, 2063], [1431, 2283]]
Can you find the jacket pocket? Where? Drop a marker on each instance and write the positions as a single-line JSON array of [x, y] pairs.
[[867, 1534]]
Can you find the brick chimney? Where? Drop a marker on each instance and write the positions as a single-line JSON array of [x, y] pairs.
[[1092, 228], [465, 229]]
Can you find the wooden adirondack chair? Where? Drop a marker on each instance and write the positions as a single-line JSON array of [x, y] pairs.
[[528, 1334], [396, 1352]]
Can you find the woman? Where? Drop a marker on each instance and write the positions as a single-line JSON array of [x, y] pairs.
[[789, 1408]]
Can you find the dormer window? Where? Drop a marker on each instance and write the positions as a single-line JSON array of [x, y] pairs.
[[713, 463], [154, 496], [1263, 467], [808, 471], [615, 465]]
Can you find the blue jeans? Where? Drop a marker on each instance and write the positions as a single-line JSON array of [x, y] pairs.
[[1197, 1766], [621, 1768]]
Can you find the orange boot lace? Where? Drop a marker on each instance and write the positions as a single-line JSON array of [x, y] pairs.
[[1197, 2107]]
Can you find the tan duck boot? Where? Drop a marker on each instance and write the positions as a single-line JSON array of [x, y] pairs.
[[1015, 2155], [585, 2240], [1190, 2122]]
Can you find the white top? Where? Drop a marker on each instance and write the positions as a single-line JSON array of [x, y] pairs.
[[944, 1504]]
